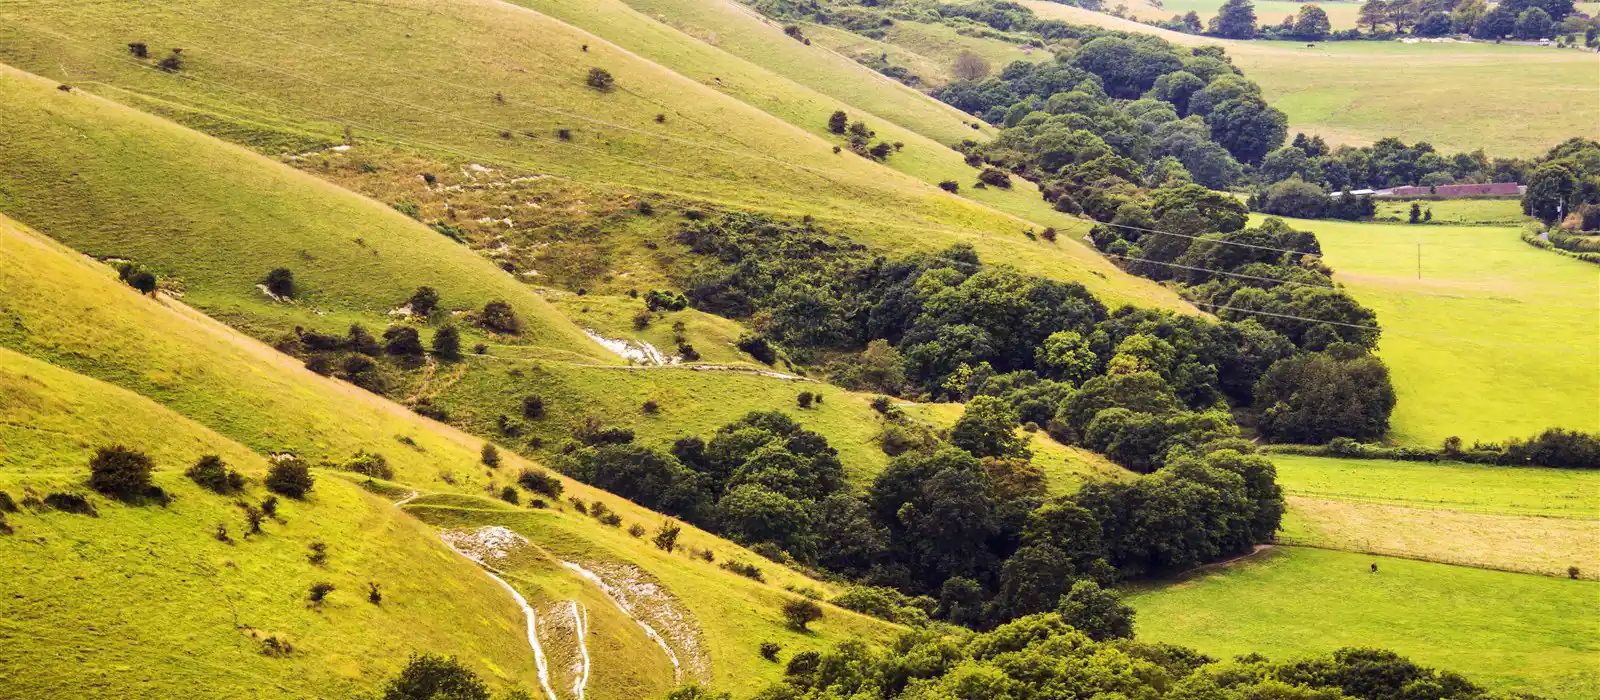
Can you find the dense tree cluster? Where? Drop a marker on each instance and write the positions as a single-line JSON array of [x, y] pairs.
[[1048, 656], [1564, 186]]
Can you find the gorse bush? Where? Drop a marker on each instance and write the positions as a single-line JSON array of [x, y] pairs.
[[212, 473]]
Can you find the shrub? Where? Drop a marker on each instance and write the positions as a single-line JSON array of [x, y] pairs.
[[5, 527], [636, 530], [280, 282], [804, 399], [211, 473], [540, 482], [661, 118], [837, 123], [253, 517], [276, 647], [499, 317], [490, 455], [70, 503], [994, 177], [509, 495], [447, 343], [369, 464], [1049, 234], [688, 352], [642, 319], [120, 472], [533, 406], [319, 553], [600, 79], [745, 569], [320, 591], [665, 300], [667, 536], [221, 534], [7, 504], [321, 363], [650, 407], [139, 49], [480, 349], [769, 651], [173, 62], [758, 347], [881, 404], [800, 612], [138, 277], [424, 301], [269, 506], [430, 677], [290, 477], [950, 186], [880, 150], [374, 595], [564, 134], [402, 341], [1572, 572]]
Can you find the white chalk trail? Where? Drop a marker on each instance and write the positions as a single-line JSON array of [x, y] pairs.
[[580, 622], [527, 611], [677, 669]]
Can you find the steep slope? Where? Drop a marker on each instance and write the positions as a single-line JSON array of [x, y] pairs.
[[146, 602], [61, 308], [928, 51], [113, 182], [267, 73]]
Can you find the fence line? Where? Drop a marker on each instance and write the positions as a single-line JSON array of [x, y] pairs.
[[1285, 540]]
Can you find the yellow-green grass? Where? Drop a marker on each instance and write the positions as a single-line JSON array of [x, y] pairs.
[[742, 55], [690, 402], [1513, 632], [145, 602], [1558, 493], [1497, 339], [713, 337], [734, 614], [1507, 100], [1342, 15], [1526, 543], [1455, 211], [115, 183], [312, 69], [929, 51]]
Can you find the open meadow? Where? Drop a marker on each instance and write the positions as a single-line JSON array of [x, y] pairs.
[[1497, 339], [1342, 14], [1512, 632], [1526, 519], [1507, 100]]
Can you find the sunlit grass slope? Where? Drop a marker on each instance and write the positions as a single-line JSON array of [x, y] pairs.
[[1513, 632], [1497, 339], [1065, 467], [146, 602], [113, 182], [1515, 518], [511, 81], [929, 51], [1507, 100]]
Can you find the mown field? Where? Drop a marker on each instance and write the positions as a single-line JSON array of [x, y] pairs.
[[1497, 339], [1525, 519], [1512, 632], [1342, 15], [1454, 211], [929, 51], [1507, 100]]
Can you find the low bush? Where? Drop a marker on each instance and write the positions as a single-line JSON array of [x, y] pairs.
[[994, 177], [801, 612], [121, 473], [72, 503], [805, 399], [139, 49], [533, 406], [758, 347], [430, 677], [745, 569], [490, 455], [540, 482], [499, 317], [369, 464], [600, 79], [319, 592], [636, 530], [950, 186], [212, 473], [290, 477], [509, 495], [280, 282], [665, 300], [667, 536], [7, 504], [319, 553], [769, 650], [374, 594]]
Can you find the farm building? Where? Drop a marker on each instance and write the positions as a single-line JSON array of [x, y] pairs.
[[1497, 189]]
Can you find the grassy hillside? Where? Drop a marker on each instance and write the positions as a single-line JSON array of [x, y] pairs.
[[1514, 518], [145, 602], [1341, 14], [214, 218], [1507, 100], [1509, 631], [480, 101], [1497, 339], [65, 309], [1065, 467], [929, 51]]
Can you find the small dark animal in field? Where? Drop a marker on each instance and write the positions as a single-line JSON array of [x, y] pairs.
[[1374, 567]]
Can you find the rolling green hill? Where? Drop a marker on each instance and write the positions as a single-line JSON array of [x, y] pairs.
[[499, 99]]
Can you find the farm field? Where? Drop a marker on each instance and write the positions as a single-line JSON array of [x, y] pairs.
[[1507, 100], [1498, 339], [1342, 15], [1525, 519], [1512, 632], [1503, 212]]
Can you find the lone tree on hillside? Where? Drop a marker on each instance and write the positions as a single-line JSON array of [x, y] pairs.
[[800, 612], [120, 472], [970, 66], [280, 283], [447, 343], [290, 477], [423, 301], [600, 79]]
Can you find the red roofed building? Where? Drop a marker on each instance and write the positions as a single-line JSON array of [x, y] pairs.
[[1498, 189]]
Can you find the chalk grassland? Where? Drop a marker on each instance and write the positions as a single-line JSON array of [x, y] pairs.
[[513, 79], [928, 51], [64, 309], [1511, 518], [1512, 632], [1497, 339], [1507, 100]]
